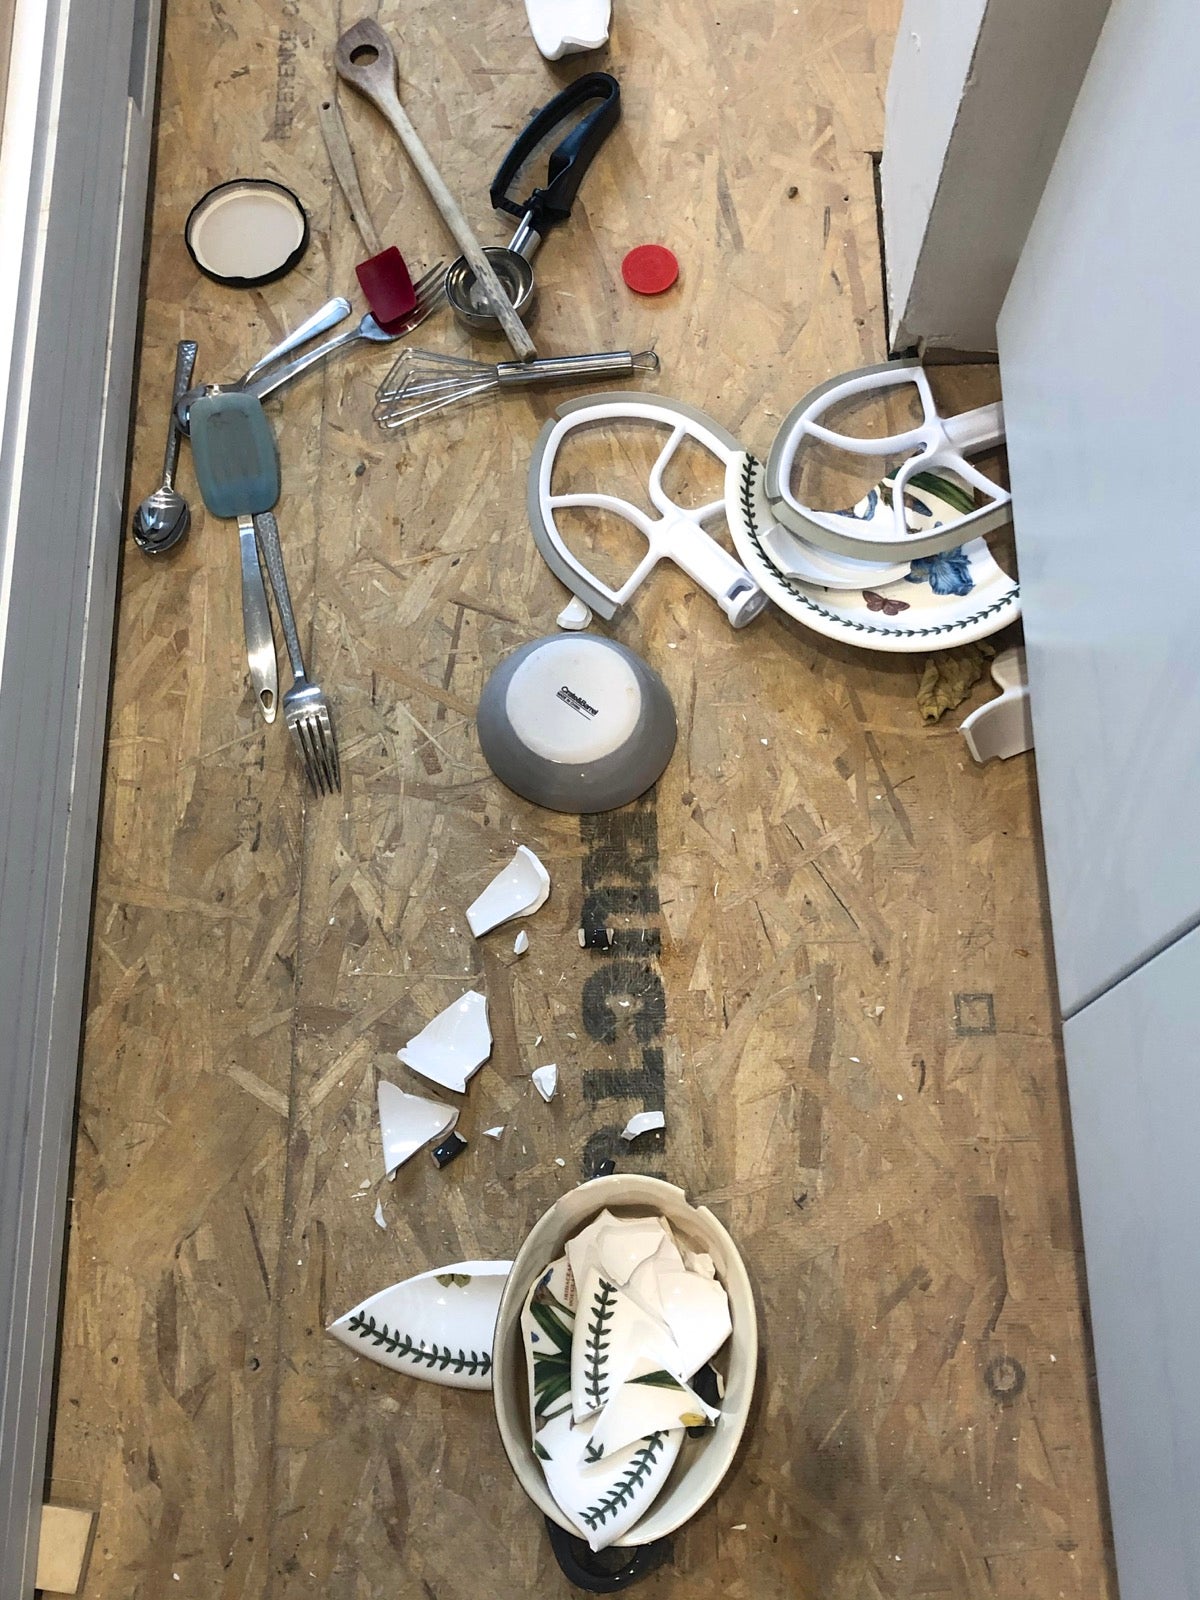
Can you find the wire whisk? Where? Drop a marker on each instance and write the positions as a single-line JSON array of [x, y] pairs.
[[424, 381]]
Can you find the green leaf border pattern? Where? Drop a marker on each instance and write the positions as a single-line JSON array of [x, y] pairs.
[[747, 500], [595, 1369], [464, 1363], [626, 1486]]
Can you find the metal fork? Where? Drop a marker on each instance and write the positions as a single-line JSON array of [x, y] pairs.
[[305, 708], [430, 291]]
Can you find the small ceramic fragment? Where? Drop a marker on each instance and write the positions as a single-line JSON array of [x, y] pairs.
[[517, 890], [547, 1327], [494, 1133], [564, 27], [454, 1045], [380, 1219], [575, 615], [617, 1247], [545, 1081], [407, 1121], [616, 1334], [643, 1122], [521, 943], [595, 938], [451, 1147], [710, 1386], [649, 1401], [604, 1496], [438, 1325], [696, 1312]]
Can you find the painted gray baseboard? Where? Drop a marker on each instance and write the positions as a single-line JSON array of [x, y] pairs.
[[85, 73]]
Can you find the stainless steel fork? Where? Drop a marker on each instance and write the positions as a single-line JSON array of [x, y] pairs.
[[430, 291], [305, 708]]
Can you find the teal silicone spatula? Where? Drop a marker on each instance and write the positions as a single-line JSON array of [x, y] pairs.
[[237, 469]]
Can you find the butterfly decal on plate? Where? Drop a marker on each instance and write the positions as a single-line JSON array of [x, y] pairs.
[[884, 603]]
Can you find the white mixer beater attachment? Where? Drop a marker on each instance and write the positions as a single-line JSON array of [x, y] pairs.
[[676, 534], [937, 443]]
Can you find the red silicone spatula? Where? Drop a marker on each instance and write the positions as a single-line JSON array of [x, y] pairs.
[[383, 277]]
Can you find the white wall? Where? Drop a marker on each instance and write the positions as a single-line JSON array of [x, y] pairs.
[[979, 96]]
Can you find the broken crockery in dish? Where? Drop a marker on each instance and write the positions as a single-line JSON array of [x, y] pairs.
[[451, 1048], [545, 1081], [408, 1121], [617, 1247], [615, 1334], [547, 1327], [518, 890], [544, 1457], [438, 1325], [604, 1494], [651, 1400]]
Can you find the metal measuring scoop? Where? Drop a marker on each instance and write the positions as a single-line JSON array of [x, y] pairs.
[[544, 208], [164, 517]]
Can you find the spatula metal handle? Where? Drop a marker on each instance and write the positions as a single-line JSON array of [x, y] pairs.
[[268, 535], [256, 620], [185, 365]]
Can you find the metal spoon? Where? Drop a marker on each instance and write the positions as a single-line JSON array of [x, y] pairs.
[[164, 517]]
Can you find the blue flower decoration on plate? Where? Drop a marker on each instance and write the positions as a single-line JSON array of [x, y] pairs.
[[946, 573]]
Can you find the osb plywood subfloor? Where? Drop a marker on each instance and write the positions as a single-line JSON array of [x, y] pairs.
[[832, 967]]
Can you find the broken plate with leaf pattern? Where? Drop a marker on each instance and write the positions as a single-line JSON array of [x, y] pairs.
[[603, 1493], [438, 1325]]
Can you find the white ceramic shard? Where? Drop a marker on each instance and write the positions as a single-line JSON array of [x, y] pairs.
[[649, 1401], [438, 1325], [626, 1241], [408, 1121], [517, 890], [643, 1122], [547, 1327], [380, 1219], [574, 616], [454, 1045], [696, 1312], [494, 1133], [521, 943], [693, 1308], [602, 1495], [1003, 727], [703, 1264], [614, 1334], [545, 1081], [565, 27]]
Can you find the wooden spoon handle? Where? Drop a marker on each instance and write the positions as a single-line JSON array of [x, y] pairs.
[[365, 60], [341, 159]]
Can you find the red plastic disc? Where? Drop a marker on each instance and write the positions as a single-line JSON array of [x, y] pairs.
[[650, 269]]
